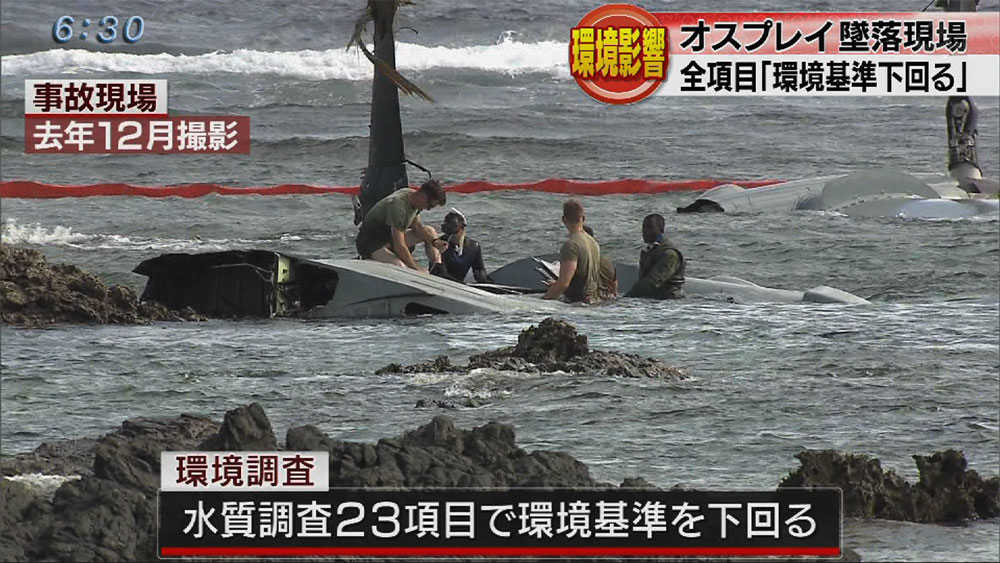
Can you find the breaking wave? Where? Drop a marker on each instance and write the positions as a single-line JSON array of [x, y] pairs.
[[59, 235], [506, 57], [16, 233]]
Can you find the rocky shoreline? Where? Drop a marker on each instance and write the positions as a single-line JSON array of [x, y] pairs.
[[35, 293], [553, 346], [109, 512], [946, 492]]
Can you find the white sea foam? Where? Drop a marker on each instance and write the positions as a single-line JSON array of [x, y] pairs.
[[44, 485], [466, 390], [506, 57], [36, 234]]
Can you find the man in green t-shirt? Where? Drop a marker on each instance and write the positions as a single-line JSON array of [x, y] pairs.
[[393, 226], [579, 260]]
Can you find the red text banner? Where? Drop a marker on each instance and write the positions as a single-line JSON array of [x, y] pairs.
[[102, 134]]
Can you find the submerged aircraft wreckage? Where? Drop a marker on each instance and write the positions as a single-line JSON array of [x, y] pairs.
[[964, 192], [261, 283], [873, 193]]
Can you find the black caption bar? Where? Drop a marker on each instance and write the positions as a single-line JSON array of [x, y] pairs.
[[501, 523]]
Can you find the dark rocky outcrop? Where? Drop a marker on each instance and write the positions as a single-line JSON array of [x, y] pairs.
[[243, 429], [440, 455], [35, 293], [97, 519], [23, 515], [552, 346], [136, 439], [435, 403], [130, 456], [109, 513], [65, 457], [440, 364], [946, 492]]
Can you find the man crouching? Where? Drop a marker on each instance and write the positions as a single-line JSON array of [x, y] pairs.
[[392, 227]]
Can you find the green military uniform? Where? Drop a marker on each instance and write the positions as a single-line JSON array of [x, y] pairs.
[[609, 276], [586, 280], [394, 210], [661, 272]]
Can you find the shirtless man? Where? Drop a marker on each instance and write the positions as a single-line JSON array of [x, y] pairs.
[[393, 226]]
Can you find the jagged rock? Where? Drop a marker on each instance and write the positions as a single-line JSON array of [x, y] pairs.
[[440, 455], [637, 483], [552, 341], [110, 515], [99, 520], [22, 516], [946, 492], [34, 293], [243, 429], [435, 403], [65, 457], [553, 346], [502, 360], [440, 364], [130, 456]]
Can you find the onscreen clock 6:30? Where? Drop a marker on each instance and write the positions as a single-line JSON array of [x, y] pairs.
[[62, 30]]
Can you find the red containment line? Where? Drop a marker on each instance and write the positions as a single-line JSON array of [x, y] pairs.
[[38, 190]]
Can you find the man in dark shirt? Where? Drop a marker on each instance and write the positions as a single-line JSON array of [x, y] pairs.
[[463, 252], [661, 265]]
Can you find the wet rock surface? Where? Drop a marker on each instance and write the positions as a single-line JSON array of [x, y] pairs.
[[22, 516], [36, 293], [136, 438], [66, 457], [435, 403], [552, 346], [440, 455], [245, 428], [947, 490], [110, 513]]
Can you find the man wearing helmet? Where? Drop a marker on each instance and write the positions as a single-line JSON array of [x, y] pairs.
[[463, 252]]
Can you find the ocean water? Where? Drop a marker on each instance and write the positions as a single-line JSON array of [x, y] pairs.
[[916, 372]]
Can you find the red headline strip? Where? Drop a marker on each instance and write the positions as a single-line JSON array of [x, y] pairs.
[[499, 551], [38, 190]]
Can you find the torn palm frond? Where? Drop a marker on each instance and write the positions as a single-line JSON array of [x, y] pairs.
[[360, 25], [392, 74]]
